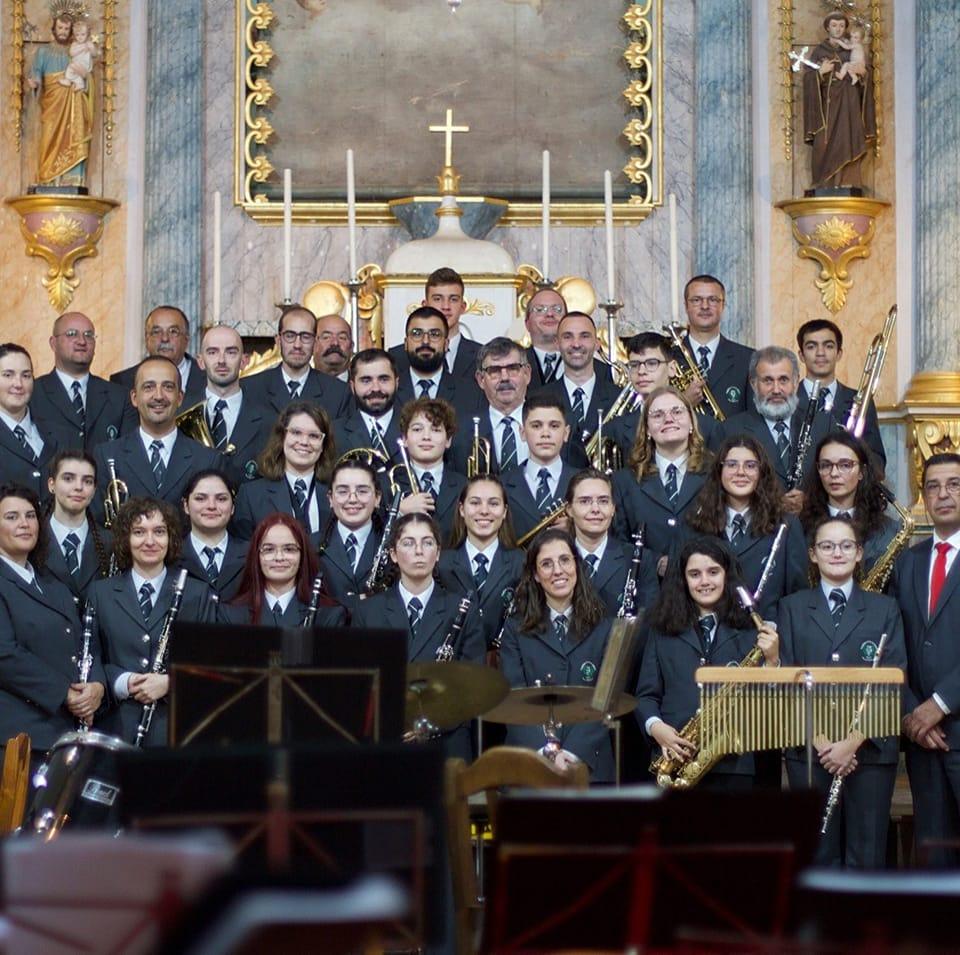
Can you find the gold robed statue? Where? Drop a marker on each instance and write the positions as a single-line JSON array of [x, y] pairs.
[[62, 74]]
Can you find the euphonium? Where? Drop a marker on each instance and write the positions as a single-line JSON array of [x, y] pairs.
[[193, 423], [690, 371], [115, 495], [870, 377], [479, 460]]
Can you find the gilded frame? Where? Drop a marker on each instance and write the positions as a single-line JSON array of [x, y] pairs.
[[643, 29]]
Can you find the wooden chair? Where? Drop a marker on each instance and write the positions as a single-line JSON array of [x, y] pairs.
[[14, 784], [498, 767]]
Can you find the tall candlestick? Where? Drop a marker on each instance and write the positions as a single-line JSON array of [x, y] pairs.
[[608, 221], [351, 215], [674, 261], [545, 215], [287, 233], [217, 255]]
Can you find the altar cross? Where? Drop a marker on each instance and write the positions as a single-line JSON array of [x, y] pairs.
[[448, 129]]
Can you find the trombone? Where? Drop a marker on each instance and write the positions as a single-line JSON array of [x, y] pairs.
[[690, 371], [115, 495], [406, 467], [479, 460], [870, 377]]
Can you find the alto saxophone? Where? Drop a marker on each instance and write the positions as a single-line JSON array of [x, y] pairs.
[[447, 650], [878, 575]]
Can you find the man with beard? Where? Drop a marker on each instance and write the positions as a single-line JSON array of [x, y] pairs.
[[167, 333], [503, 375], [777, 421], [238, 426], [156, 460], [81, 409], [293, 379], [373, 384], [425, 345], [583, 393], [334, 347]]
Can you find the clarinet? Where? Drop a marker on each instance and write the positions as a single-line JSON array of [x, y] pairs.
[[804, 439], [160, 658], [628, 606], [85, 663], [448, 649], [382, 557], [311, 613], [833, 797], [493, 652]]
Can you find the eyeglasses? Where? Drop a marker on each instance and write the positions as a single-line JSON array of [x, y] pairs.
[[658, 417], [345, 493], [564, 561], [312, 437], [846, 547], [751, 467], [951, 486], [89, 335], [271, 550], [290, 337], [158, 332], [648, 364], [844, 466], [411, 543], [495, 371], [434, 334], [543, 309], [604, 501], [697, 300]]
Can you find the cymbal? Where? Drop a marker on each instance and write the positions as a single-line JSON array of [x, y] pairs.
[[530, 705], [449, 693]]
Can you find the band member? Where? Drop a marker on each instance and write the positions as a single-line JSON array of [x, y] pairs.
[[79, 550], [131, 608], [428, 427], [837, 624], [373, 384], [845, 482], [558, 634], [295, 465], [277, 579], [740, 504], [538, 488], [665, 472], [696, 622], [83, 409], [293, 379], [209, 553], [333, 348], [419, 605], [25, 448], [238, 426], [606, 559], [483, 559], [155, 460], [40, 635], [352, 537], [925, 587]]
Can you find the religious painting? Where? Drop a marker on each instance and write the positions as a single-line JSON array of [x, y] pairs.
[[315, 78]]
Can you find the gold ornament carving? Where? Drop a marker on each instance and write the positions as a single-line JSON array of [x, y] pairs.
[[61, 231], [636, 56], [635, 17], [835, 233]]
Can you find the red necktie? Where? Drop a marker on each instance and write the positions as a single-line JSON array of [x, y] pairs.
[[939, 574]]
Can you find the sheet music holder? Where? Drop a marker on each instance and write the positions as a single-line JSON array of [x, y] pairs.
[[244, 684]]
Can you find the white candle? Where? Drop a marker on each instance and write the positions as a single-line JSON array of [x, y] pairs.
[[217, 255], [674, 261], [545, 215], [608, 220], [287, 233], [352, 215]]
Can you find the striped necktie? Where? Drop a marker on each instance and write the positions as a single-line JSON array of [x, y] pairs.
[[156, 462]]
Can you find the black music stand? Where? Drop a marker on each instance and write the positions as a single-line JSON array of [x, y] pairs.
[[633, 868], [244, 684], [318, 816]]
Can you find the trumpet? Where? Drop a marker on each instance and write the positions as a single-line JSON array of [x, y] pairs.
[[558, 510], [193, 423], [690, 371], [870, 377], [479, 460], [115, 496], [604, 455], [407, 467]]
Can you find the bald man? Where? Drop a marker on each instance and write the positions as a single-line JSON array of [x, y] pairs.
[[333, 348], [79, 408], [238, 425]]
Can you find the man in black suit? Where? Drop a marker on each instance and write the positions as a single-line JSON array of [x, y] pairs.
[[373, 423], [925, 586], [725, 363], [156, 460], [582, 392], [333, 348], [503, 375], [294, 379], [544, 311], [167, 332], [82, 409], [777, 421], [820, 345], [238, 426]]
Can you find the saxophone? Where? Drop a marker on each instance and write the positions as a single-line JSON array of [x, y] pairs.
[[878, 575], [448, 649]]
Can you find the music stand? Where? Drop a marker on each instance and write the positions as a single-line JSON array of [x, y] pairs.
[[244, 684], [318, 815]]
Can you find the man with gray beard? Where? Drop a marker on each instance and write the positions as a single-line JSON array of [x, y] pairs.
[[777, 421]]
